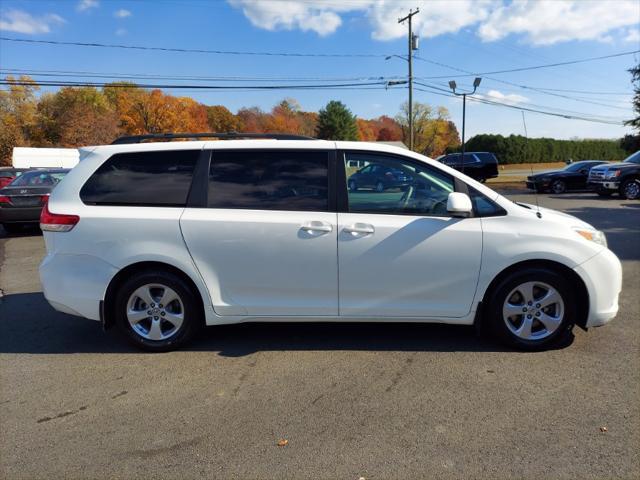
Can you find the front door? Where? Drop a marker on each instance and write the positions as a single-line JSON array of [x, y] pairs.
[[400, 254], [266, 243]]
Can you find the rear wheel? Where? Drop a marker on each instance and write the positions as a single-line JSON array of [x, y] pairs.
[[558, 187], [157, 311], [630, 189], [533, 309]]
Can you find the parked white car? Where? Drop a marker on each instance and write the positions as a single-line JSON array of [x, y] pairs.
[[162, 238]]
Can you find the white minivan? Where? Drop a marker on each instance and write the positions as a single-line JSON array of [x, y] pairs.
[[162, 238]]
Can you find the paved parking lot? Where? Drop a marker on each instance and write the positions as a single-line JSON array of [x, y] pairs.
[[373, 401]]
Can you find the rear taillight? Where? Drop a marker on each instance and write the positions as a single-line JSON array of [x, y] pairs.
[[5, 199], [44, 199], [56, 222]]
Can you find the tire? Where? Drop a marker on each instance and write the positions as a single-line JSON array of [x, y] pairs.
[[173, 324], [550, 326], [630, 189], [353, 186], [558, 187], [604, 193], [379, 187]]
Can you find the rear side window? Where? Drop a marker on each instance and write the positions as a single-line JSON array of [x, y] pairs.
[[269, 180], [161, 178]]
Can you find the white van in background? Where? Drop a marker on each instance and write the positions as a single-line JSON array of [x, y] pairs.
[[27, 157]]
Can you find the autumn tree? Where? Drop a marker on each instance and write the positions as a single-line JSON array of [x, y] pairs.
[[366, 132], [18, 116], [222, 120], [253, 120], [388, 129], [432, 130], [75, 117], [336, 122]]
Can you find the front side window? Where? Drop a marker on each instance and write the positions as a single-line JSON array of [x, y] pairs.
[[396, 186], [269, 180], [157, 178]]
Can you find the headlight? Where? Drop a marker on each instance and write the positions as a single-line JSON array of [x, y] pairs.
[[612, 174], [595, 236]]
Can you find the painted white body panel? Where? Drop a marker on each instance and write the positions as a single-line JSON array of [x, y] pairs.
[[397, 271], [258, 265], [263, 262]]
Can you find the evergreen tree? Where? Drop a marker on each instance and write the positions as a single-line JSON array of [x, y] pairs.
[[336, 122]]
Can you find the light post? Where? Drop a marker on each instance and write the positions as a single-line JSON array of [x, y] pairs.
[[452, 85]]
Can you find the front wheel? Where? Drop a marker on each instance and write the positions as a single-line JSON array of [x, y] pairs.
[[533, 309], [379, 187], [157, 311], [558, 187], [353, 186], [630, 189]]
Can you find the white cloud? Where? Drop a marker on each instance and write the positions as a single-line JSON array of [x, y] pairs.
[[633, 36], [546, 22], [121, 32], [122, 13], [84, 5], [507, 99], [539, 22], [23, 22]]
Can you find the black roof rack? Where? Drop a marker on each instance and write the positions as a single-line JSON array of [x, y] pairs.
[[222, 136]]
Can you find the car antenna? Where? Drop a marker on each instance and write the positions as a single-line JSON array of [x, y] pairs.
[[526, 150]]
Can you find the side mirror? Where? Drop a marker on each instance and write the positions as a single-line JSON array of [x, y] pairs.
[[459, 204]]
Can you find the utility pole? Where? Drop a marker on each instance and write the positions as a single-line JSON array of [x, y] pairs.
[[412, 46]]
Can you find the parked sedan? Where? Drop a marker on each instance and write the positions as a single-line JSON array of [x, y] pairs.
[[9, 174], [573, 177], [379, 177], [21, 201]]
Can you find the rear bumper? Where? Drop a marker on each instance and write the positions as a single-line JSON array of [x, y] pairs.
[[602, 276], [18, 214], [75, 284]]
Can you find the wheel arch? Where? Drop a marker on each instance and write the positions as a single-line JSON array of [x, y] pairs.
[[580, 288], [118, 279]]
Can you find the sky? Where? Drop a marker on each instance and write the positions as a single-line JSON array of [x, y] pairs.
[[457, 38]]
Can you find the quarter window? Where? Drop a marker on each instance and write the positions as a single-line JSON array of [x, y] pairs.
[[396, 186], [269, 180], [160, 178]]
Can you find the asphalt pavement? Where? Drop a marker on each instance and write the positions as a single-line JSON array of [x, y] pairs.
[[373, 401]]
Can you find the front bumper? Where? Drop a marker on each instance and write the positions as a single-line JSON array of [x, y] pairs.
[[603, 185], [602, 275], [537, 186]]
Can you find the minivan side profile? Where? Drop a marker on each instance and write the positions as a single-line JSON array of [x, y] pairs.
[[160, 239]]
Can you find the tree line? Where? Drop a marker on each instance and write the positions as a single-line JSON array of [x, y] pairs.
[[519, 149], [78, 116]]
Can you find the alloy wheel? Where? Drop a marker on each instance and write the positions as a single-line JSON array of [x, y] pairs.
[[155, 311], [558, 186], [632, 190], [533, 310]]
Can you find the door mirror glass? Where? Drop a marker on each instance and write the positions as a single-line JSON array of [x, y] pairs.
[[459, 204]]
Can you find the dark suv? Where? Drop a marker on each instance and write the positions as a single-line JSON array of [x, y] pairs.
[[478, 165], [623, 178], [379, 177]]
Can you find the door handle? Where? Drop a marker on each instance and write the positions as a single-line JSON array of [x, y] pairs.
[[357, 228], [317, 226]]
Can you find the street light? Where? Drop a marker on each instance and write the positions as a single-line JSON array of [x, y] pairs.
[[453, 86]]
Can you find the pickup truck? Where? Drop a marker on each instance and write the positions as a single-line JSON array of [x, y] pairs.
[[623, 178]]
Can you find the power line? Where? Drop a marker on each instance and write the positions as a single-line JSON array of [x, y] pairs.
[[136, 76], [191, 87], [526, 109], [194, 50], [534, 67]]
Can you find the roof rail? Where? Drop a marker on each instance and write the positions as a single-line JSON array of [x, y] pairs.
[[222, 136]]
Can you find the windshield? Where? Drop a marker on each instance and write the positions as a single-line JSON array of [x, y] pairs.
[[574, 167], [38, 179], [633, 158]]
